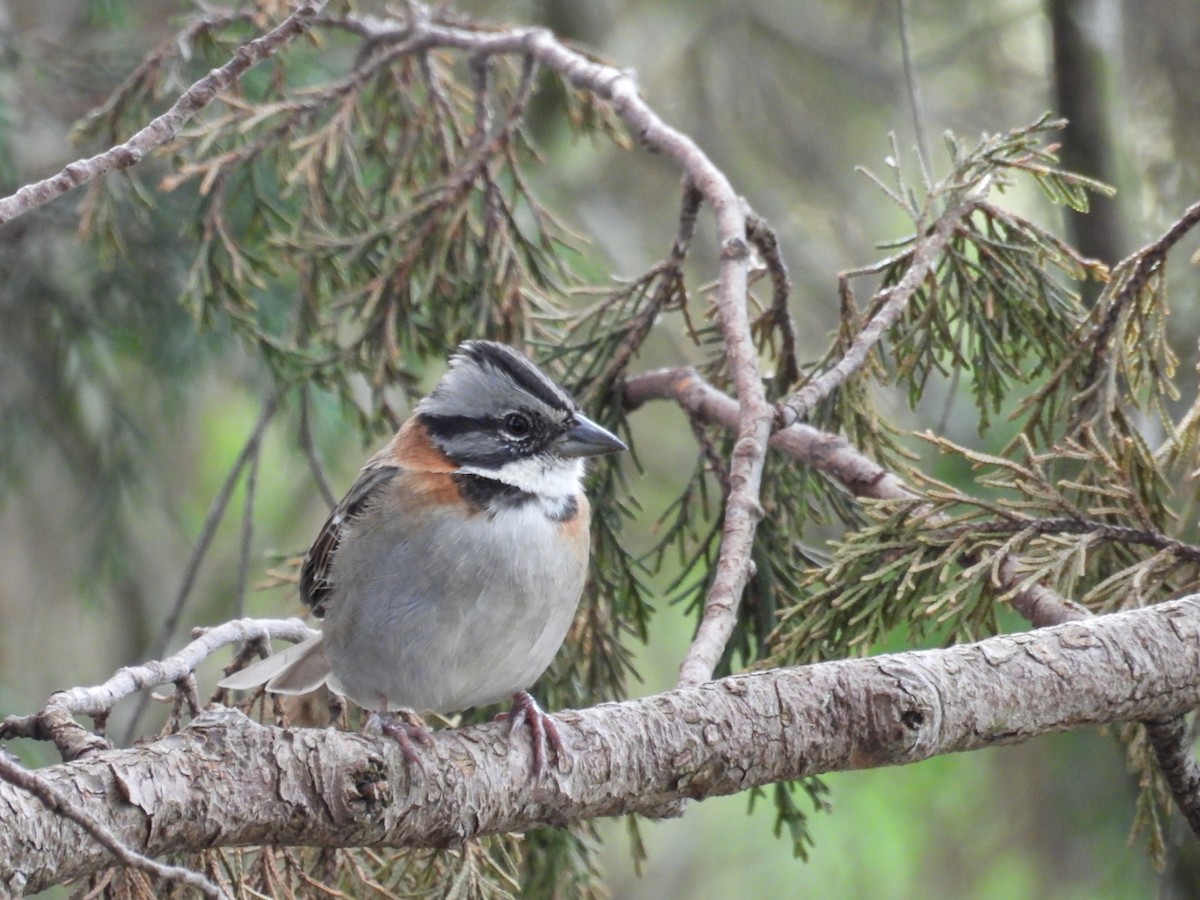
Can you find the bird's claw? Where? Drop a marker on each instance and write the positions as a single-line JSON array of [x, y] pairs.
[[404, 729], [542, 728]]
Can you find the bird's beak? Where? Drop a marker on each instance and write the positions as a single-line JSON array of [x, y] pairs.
[[586, 438]]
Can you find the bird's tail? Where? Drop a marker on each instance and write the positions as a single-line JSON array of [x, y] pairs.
[[297, 670]]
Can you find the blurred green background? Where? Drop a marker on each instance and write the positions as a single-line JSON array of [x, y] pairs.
[[118, 423]]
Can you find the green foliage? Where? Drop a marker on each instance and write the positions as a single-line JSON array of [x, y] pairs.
[[352, 227], [360, 209], [480, 870], [1078, 501], [789, 815], [995, 304]]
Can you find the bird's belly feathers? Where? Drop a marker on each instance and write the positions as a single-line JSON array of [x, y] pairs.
[[454, 614]]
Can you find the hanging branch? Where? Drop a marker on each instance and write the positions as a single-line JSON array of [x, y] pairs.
[[164, 128], [1133, 274]]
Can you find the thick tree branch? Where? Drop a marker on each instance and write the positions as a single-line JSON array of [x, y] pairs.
[[225, 781], [833, 454], [56, 802], [164, 128]]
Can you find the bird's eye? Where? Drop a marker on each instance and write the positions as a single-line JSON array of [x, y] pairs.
[[517, 425]]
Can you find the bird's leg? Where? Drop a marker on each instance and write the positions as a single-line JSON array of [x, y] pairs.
[[544, 732], [404, 727]]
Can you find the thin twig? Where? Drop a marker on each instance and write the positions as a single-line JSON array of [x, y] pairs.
[[925, 257], [166, 126], [669, 274], [243, 570], [208, 530], [308, 445], [914, 89], [60, 804], [779, 316], [1116, 534]]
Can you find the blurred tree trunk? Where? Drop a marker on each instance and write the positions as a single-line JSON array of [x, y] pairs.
[[1080, 95]]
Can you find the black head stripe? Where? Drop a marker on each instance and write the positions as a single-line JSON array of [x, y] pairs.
[[470, 440], [522, 372]]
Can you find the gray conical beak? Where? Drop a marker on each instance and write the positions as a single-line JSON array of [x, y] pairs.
[[586, 438]]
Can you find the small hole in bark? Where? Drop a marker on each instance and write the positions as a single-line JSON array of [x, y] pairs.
[[912, 718]]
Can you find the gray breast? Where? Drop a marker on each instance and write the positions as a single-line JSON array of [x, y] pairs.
[[458, 613]]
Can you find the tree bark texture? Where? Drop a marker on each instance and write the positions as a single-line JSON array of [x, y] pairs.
[[226, 781]]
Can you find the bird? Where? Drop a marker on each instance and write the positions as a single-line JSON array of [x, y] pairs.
[[449, 574]]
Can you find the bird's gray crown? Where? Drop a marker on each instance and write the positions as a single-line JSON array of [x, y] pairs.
[[486, 376]]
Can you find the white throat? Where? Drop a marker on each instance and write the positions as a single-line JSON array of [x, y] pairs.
[[545, 477]]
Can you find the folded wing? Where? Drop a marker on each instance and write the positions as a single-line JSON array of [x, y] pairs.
[[297, 670]]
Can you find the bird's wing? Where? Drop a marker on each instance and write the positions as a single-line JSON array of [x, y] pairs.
[[297, 670], [314, 570]]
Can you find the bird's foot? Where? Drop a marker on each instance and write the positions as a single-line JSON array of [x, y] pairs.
[[404, 728], [544, 732]]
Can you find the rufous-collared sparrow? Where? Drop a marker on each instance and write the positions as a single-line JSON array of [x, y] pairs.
[[450, 572]]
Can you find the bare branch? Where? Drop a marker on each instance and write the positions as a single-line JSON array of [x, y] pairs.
[[247, 537], [164, 128], [56, 721], [914, 89], [225, 781], [778, 316], [830, 453], [310, 450]]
